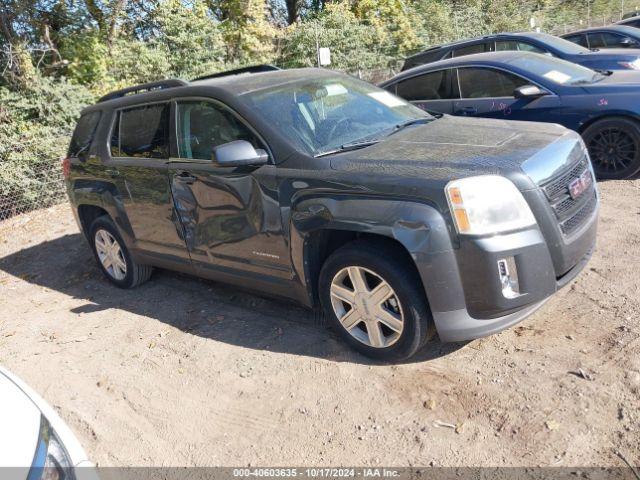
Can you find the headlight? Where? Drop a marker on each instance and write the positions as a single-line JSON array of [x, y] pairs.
[[633, 65], [51, 461], [486, 205]]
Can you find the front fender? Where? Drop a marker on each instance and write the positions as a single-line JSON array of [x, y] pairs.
[[420, 228]]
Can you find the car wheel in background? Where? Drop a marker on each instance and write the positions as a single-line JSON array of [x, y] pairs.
[[374, 299], [614, 147], [113, 257]]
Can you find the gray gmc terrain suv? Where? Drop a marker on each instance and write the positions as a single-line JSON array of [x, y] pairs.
[[314, 186]]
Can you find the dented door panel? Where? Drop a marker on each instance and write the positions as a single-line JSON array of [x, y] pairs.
[[231, 218]]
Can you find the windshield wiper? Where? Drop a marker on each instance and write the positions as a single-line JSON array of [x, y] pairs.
[[366, 143], [348, 147], [408, 123]]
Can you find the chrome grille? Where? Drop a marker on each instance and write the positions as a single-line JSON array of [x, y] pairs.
[[583, 214], [570, 212]]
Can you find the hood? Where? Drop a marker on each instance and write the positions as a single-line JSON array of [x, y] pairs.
[[618, 81], [20, 421], [455, 147]]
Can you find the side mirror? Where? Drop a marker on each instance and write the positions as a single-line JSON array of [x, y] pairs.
[[237, 153], [529, 91]]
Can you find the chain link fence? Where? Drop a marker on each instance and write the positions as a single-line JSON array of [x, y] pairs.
[[46, 188]]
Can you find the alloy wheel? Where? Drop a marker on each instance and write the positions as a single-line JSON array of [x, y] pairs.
[[367, 307], [110, 254], [612, 150]]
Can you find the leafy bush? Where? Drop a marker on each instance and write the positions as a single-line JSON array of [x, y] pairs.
[[35, 127]]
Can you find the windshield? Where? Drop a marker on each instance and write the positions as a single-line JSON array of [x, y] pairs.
[[324, 114], [555, 69], [560, 44]]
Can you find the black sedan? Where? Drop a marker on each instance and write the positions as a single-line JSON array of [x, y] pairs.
[[611, 36], [603, 108], [632, 21], [609, 59]]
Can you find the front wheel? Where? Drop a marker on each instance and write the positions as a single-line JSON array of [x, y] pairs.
[[374, 299], [614, 147], [113, 257]]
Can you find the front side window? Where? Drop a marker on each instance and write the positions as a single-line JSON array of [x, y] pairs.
[[83, 134], [471, 49], [527, 47], [203, 125], [604, 40], [504, 45], [487, 83], [320, 115], [430, 86], [141, 132]]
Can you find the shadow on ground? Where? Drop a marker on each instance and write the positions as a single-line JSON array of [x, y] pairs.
[[196, 306]]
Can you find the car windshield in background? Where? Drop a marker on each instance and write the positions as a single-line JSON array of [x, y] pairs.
[[323, 115], [564, 46], [556, 70]]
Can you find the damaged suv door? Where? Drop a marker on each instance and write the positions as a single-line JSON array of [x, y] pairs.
[[228, 209]]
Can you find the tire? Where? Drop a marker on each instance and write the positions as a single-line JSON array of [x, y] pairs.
[[614, 147], [124, 273], [373, 263]]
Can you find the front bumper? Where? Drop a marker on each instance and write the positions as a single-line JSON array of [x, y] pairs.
[[459, 325], [467, 300]]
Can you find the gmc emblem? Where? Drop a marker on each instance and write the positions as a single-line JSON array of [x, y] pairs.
[[580, 184]]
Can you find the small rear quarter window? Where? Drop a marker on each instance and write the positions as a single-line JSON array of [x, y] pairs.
[[83, 133]]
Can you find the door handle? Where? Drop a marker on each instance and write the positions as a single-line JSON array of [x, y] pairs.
[[113, 173], [467, 110], [185, 177]]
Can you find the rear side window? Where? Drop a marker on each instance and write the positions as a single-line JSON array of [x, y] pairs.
[[579, 39], [83, 134], [487, 83], [430, 86], [141, 132], [478, 48]]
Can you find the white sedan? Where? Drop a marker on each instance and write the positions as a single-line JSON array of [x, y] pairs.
[[34, 439]]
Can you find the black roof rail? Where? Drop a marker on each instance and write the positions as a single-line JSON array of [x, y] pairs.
[[238, 71], [145, 87]]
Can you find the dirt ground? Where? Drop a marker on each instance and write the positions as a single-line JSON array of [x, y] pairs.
[[188, 372]]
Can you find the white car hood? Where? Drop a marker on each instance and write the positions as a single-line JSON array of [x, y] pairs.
[[19, 425]]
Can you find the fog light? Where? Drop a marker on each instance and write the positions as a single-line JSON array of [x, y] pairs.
[[508, 273]]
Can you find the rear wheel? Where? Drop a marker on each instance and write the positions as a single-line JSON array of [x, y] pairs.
[[374, 299], [113, 257], [614, 147]]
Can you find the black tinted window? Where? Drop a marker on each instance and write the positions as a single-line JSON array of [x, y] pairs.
[[430, 86], [459, 52], [604, 40], [502, 45], [83, 134], [579, 39], [484, 82], [142, 132], [204, 125]]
